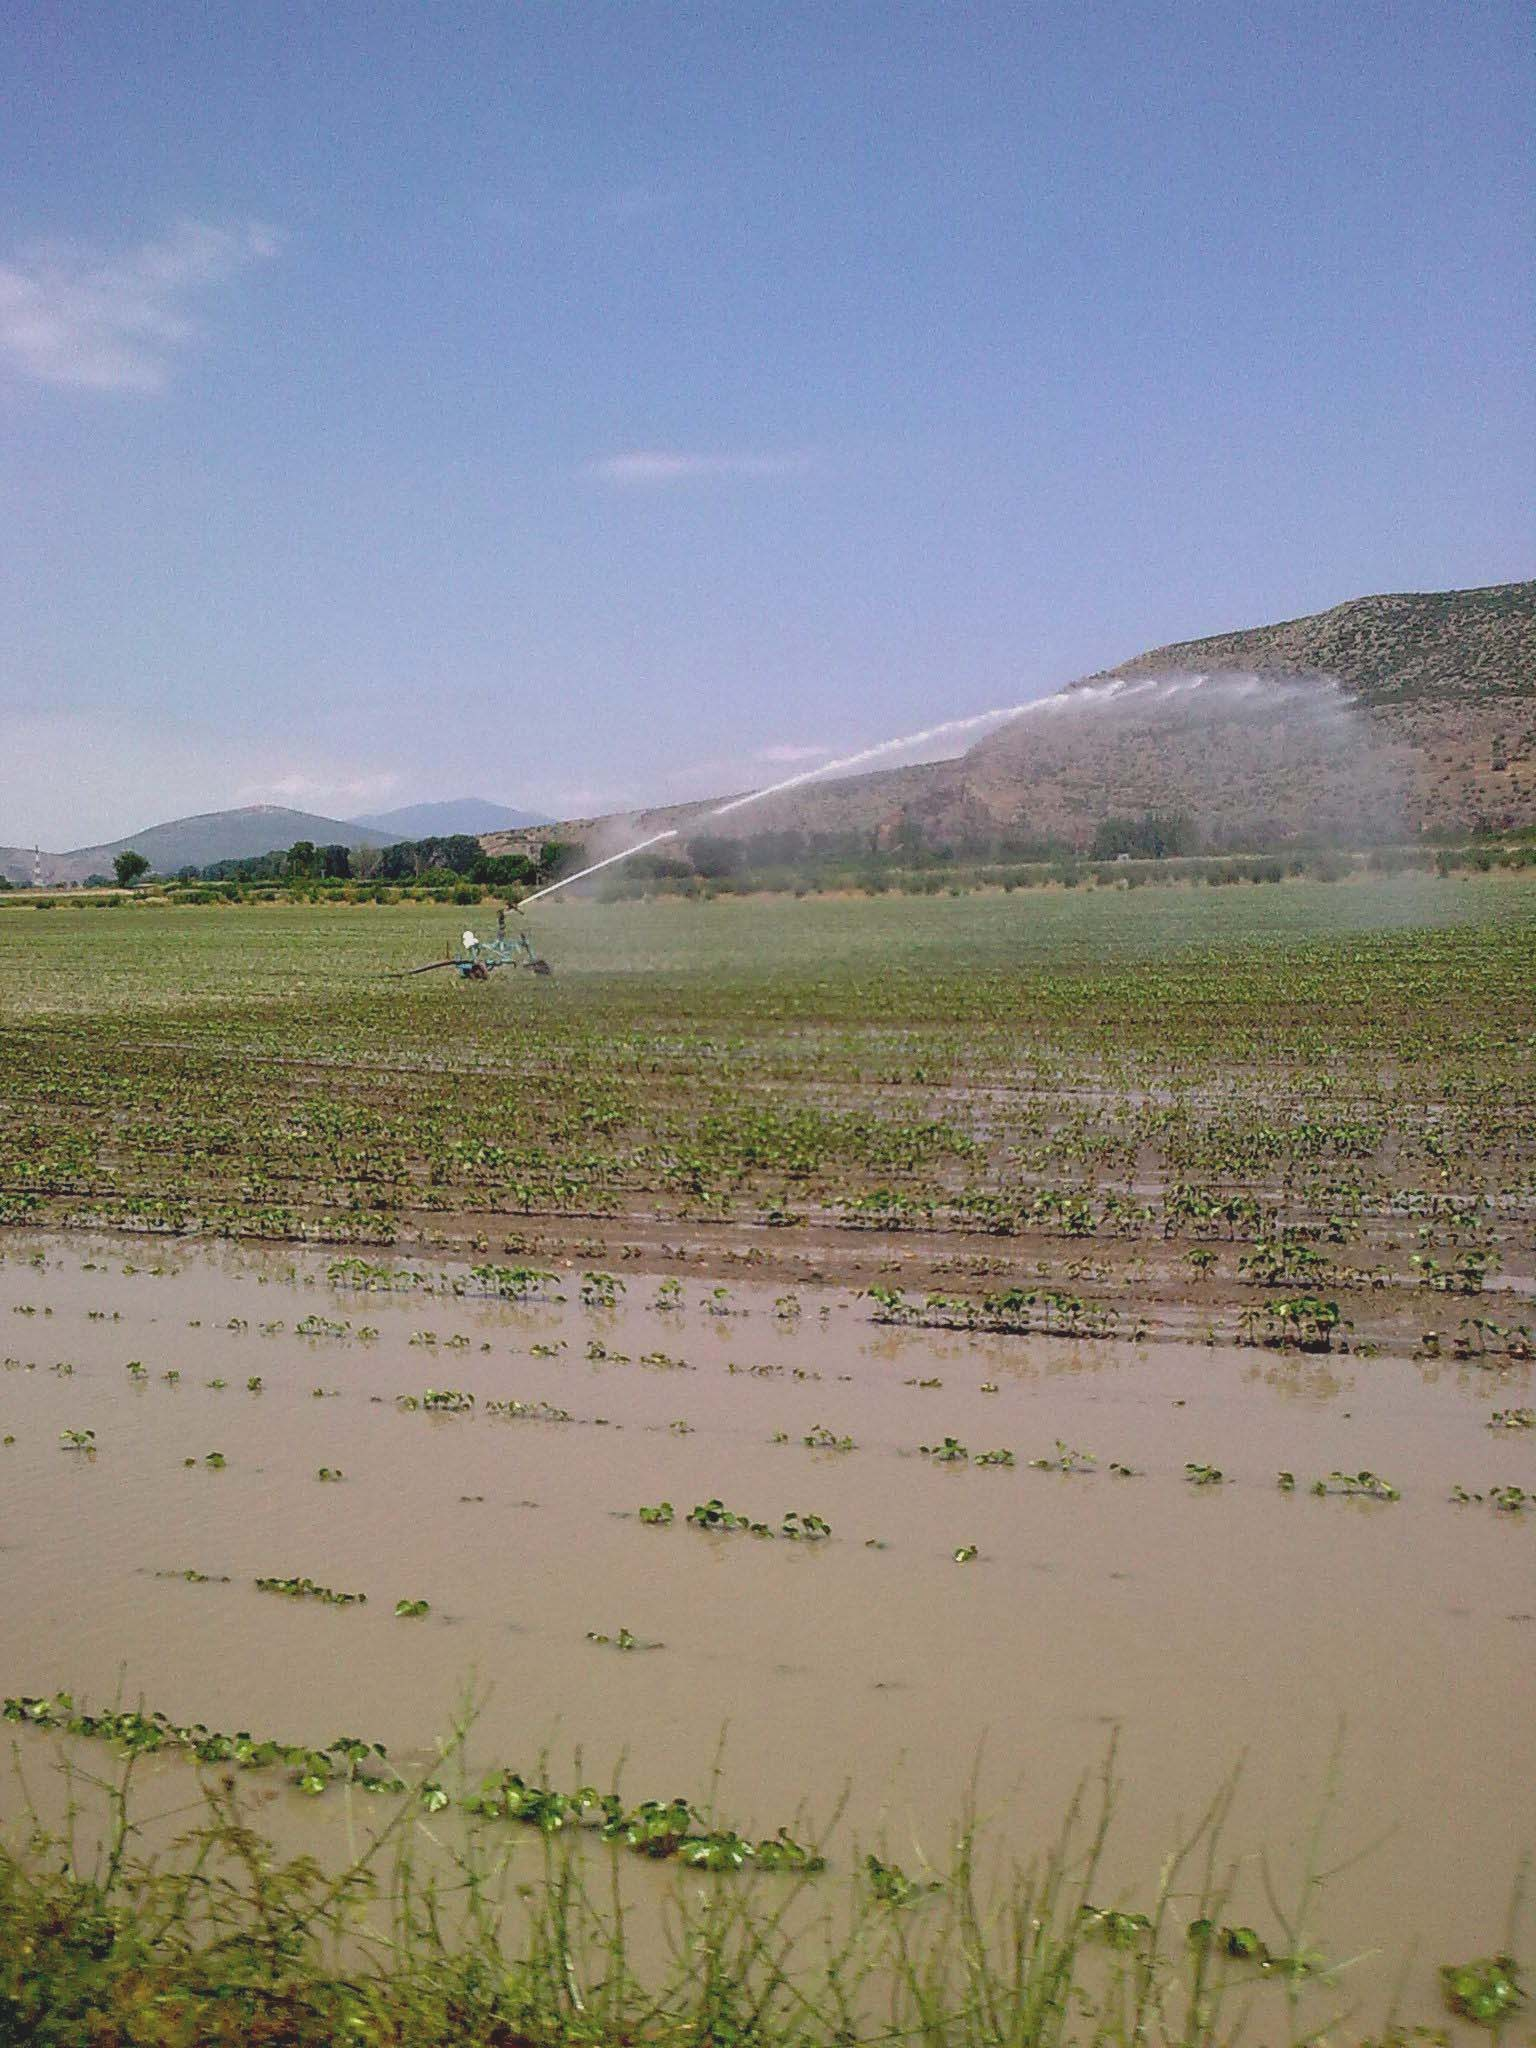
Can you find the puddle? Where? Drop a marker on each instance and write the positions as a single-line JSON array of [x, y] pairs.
[[1208, 1623]]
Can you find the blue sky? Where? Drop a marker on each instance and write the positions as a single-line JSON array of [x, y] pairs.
[[587, 404]]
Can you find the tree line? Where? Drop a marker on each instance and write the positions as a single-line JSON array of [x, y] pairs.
[[434, 862]]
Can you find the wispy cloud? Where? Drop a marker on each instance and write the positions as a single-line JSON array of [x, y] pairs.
[[679, 466], [73, 314], [331, 795]]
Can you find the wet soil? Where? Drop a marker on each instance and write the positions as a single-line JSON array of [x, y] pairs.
[[1209, 1623]]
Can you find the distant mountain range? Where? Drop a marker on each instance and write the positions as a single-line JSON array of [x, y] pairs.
[[195, 842], [473, 814], [1383, 716], [261, 828]]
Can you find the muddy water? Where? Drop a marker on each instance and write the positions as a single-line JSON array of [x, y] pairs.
[[1207, 1623]]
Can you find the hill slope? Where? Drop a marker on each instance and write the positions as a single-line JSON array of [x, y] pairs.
[[459, 814], [210, 836], [1411, 647], [1383, 716]]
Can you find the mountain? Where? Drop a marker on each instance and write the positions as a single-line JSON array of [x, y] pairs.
[[1381, 717], [194, 842], [474, 814], [1413, 647]]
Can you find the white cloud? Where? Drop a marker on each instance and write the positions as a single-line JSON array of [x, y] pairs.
[[676, 465], [70, 314], [590, 803], [331, 795], [81, 777]]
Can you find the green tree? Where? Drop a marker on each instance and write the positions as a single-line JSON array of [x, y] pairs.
[[502, 870], [559, 857], [397, 863], [302, 858], [1156, 835], [336, 863], [714, 856], [460, 851], [128, 866]]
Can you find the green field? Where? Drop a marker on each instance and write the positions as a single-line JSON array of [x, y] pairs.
[[975, 1062]]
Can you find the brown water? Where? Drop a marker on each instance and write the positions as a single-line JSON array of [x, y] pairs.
[[1207, 1623]]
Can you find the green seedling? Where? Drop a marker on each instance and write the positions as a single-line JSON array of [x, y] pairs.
[[659, 1516], [1204, 1475], [950, 1452], [967, 1553], [1487, 1991], [330, 1473], [1066, 1460], [1512, 1500], [77, 1439], [1239, 1944], [1118, 1929], [623, 1640], [307, 1589], [890, 1884], [804, 1528], [411, 1610], [823, 1439], [1357, 1486]]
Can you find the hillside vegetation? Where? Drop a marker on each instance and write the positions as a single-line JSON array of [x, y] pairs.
[[1411, 647]]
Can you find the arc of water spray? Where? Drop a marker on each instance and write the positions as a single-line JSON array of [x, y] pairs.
[[911, 739], [737, 803], [639, 847]]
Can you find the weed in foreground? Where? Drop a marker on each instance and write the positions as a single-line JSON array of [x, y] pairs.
[[434, 1934]]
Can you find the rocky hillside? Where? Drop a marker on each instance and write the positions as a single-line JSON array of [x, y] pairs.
[[1384, 716], [1414, 647]]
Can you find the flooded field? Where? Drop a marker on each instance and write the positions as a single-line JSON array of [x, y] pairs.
[[974, 1613], [892, 1349]]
